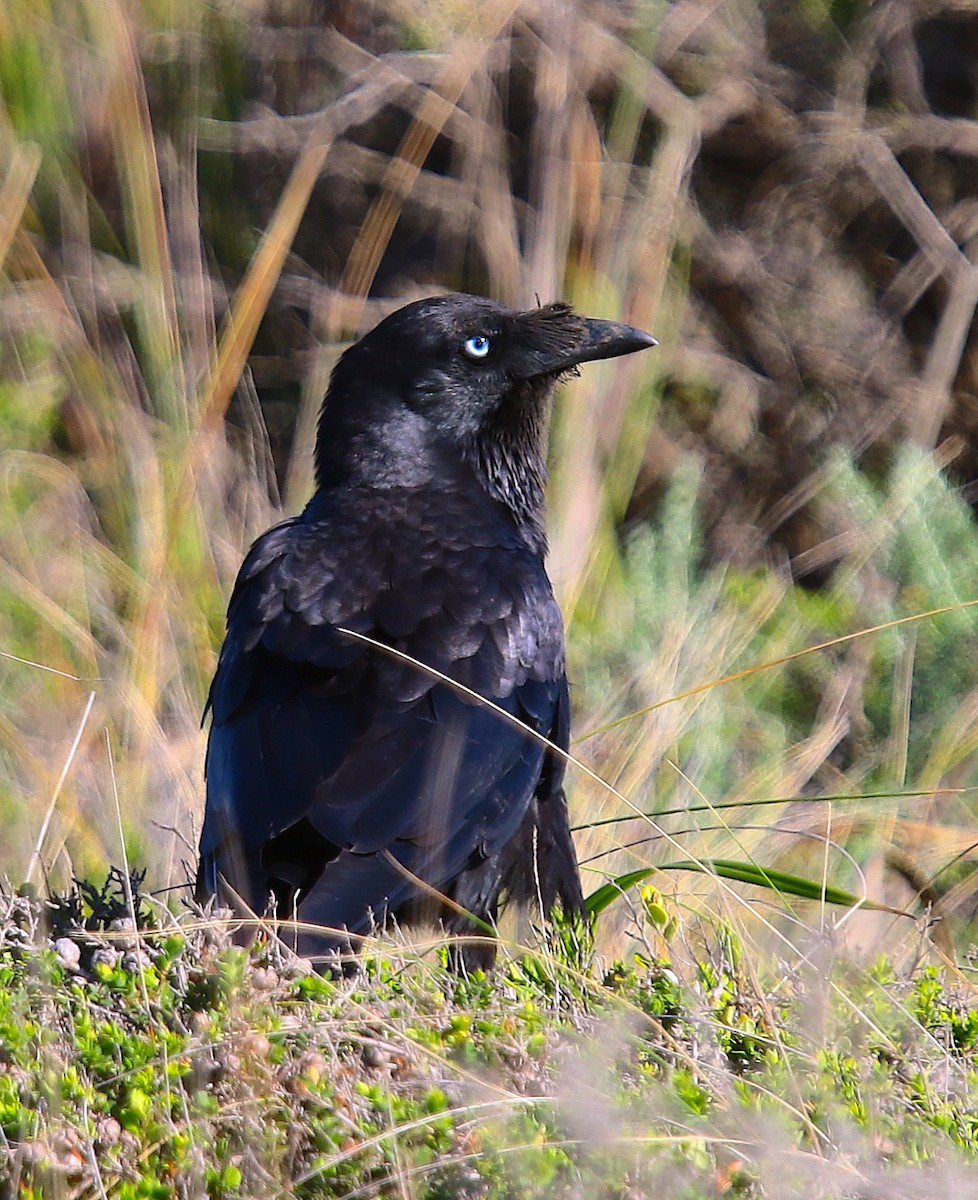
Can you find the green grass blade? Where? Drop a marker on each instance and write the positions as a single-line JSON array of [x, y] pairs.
[[782, 882], [599, 900]]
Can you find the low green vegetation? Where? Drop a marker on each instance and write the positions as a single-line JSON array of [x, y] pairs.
[[155, 1058]]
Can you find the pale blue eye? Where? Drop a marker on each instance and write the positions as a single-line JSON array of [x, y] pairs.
[[476, 346]]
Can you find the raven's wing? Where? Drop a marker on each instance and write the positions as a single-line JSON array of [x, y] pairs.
[[342, 771]]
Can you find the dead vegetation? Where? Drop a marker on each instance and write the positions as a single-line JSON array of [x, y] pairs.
[[797, 187], [787, 195]]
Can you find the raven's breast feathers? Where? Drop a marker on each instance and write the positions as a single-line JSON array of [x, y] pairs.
[[462, 599]]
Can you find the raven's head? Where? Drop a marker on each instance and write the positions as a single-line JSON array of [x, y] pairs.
[[466, 375]]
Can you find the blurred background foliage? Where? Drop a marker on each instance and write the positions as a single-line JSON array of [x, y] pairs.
[[201, 204]]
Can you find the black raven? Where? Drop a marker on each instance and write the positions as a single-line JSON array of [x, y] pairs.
[[344, 783]]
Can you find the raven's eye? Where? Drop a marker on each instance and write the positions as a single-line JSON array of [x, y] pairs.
[[476, 346]]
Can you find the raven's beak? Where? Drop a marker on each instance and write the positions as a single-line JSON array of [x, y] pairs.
[[602, 339], [608, 339]]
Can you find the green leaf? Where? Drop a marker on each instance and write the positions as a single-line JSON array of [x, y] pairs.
[[743, 872], [599, 900]]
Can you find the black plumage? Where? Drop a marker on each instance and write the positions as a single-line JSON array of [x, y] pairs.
[[340, 775]]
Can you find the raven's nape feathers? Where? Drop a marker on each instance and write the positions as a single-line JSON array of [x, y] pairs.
[[344, 786]]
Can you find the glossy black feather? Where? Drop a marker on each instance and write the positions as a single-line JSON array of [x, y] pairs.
[[339, 775]]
